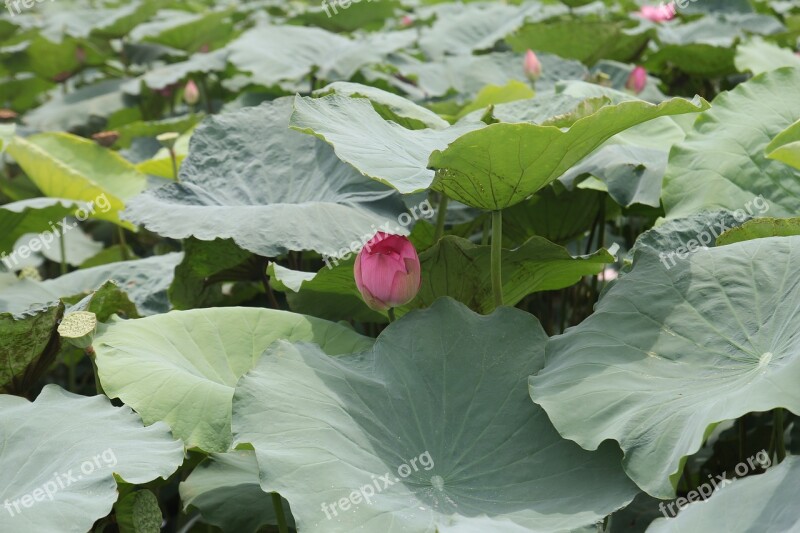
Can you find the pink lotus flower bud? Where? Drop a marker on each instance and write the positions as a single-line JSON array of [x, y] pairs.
[[637, 80], [657, 13], [406, 21], [387, 271], [191, 94], [533, 68]]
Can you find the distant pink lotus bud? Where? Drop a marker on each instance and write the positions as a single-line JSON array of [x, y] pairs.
[[387, 271], [637, 80], [533, 68], [657, 13], [406, 21], [80, 55], [191, 94]]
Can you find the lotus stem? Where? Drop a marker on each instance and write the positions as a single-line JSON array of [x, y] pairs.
[[392, 316], [279, 514], [497, 250], [440, 217]]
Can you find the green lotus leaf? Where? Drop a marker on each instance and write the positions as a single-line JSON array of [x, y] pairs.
[[389, 105], [83, 109], [226, 490], [395, 418], [62, 452], [67, 166], [249, 178], [181, 367], [502, 164], [145, 281], [721, 164], [760, 228], [759, 56], [32, 216], [673, 349], [382, 150], [785, 147], [28, 345]]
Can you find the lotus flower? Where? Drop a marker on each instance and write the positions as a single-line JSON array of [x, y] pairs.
[[387, 271], [406, 21], [533, 68], [191, 94], [637, 80], [657, 13]]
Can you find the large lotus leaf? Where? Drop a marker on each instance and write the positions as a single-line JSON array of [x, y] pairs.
[[144, 280], [707, 46], [468, 74], [324, 428], [61, 452], [27, 340], [558, 216], [23, 91], [189, 32], [368, 15], [547, 107], [758, 56], [476, 27], [389, 105], [587, 40], [31, 216], [276, 53], [460, 269], [492, 95], [721, 164], [225, 489], [632, 163], [502, 164], [174, 73], [673, 349], [67, 166], [181, 367], [250, 178], [756, 503], [78, 246], [87, 106], [785, 147], [378, 148]]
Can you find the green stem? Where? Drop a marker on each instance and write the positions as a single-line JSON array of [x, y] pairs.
[[781, 445], [174, 160], [440, 217], [97, 385], [123, 243], [279, 514], [392, 317], [497, 242], [63, 249]]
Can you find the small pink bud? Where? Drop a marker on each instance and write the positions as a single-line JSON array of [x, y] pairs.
[[533, 68], [191, 94], [657, 13], [387, 271], [637, 80], [406, 21]]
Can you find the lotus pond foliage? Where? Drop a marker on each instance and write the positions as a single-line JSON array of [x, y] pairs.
[[393, 266]]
